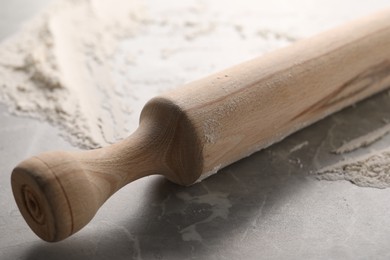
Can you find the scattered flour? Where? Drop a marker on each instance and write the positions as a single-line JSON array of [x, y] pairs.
[[372, 170], [299, 146], [363, 141], [57, 68], [220, 209]]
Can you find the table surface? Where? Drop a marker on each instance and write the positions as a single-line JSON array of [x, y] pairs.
[[266, 206]]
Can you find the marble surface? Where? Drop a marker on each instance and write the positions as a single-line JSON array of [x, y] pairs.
[[266, 206]]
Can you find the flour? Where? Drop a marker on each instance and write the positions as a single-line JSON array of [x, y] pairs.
[[364, 140], [57, 68], [220, 208], [372, 170], [299, 146]]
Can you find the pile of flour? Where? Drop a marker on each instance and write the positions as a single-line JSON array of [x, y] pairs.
[[372, 170], [58, 68], [88, 66]]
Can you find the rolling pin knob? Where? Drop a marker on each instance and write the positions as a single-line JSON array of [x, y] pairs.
[[54, 194]]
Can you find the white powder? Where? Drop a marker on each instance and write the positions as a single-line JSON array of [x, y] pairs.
[[220, 207], [57, 68], [299, 146], [372, 170], [89, 66], [363, 141]]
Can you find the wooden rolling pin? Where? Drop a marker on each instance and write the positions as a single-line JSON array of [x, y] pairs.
[[193, 131]]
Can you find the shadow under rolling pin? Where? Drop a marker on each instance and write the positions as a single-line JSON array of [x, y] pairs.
[[191, 132]]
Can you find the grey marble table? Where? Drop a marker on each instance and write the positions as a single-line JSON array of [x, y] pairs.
[[266, 206]]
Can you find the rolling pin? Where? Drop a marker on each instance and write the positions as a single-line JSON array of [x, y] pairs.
[[191, 132]]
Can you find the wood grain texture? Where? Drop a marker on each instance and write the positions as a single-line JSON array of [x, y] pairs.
[[195, 130]]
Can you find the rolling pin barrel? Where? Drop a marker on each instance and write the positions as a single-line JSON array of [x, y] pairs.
[[190, 133]]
